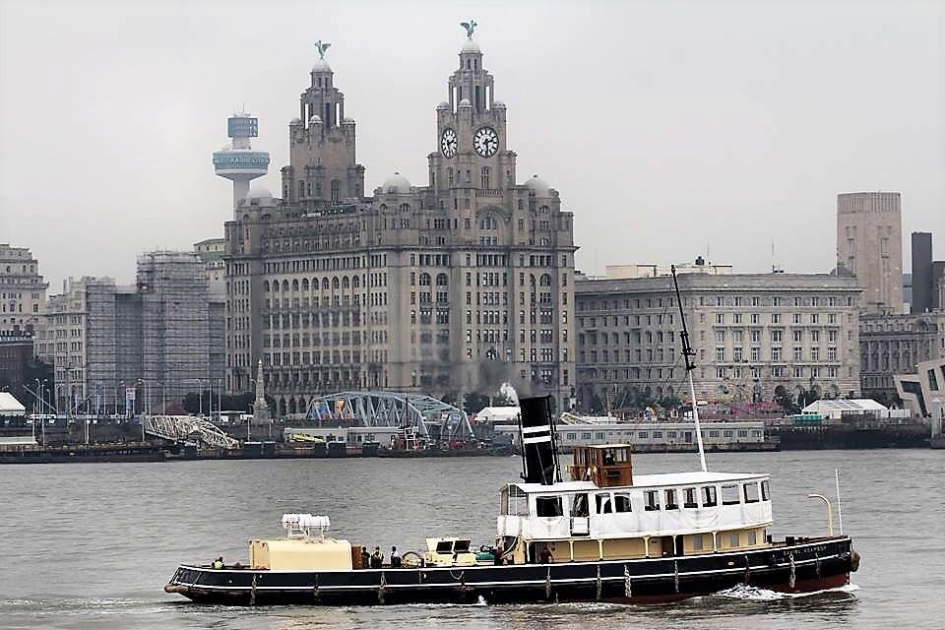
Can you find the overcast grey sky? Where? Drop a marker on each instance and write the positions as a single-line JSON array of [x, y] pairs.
[[668, 127]]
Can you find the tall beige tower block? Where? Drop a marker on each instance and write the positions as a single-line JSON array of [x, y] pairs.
[[869, 244]]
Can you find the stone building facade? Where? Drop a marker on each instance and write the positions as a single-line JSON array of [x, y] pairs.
[[893, 343], [869, 245], [755, 336], [450, 287], [164, 335], [211, 252], [22, 290]]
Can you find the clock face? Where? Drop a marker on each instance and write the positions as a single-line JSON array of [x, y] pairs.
[[486, 141], [448, 143]]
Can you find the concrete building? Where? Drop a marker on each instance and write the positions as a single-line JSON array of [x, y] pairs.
[[755, 336], [928, 276], [16, 351], [892, 344], [22, 290], [164, 336], [920, 390], [450, 287], [869, 245]]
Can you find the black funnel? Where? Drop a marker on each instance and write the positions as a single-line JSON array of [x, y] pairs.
[[538, 443]]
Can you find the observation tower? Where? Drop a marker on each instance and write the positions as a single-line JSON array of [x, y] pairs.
[[237, 161]]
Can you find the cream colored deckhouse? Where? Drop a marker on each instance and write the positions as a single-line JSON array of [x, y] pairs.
[[450, 287]]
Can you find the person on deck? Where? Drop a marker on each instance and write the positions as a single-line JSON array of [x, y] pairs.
[[499, 550], [365, 558], [545, 556], [608, 458], [377, 558], [395, 560], [218, 563]]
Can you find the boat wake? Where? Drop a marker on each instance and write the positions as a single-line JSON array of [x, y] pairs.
[[754, 594]]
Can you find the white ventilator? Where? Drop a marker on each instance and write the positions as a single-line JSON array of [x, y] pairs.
[[305, 525]]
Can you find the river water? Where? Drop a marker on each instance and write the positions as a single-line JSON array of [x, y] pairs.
[[91, 545]]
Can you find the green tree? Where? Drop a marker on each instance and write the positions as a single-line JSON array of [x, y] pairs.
[[475, 402]]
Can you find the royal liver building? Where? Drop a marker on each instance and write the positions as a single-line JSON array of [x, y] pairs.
[[449, 288]]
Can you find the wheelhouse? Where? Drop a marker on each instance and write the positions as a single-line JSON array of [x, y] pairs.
[[605, 512]]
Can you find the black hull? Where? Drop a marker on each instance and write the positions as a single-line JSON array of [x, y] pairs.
[[810, 566]]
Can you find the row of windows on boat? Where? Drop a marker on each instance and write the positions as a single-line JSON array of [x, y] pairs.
[[658, 435], [515, 502]]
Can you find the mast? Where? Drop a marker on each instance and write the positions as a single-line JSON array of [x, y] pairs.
[[688, 354]]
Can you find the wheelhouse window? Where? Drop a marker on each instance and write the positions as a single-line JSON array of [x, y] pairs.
[[751, 493], [622, 502], [514, 502], [752, 537], [709, 497], [548, 507], [697, 542], [733, 539], [765, 492], [652, 500], [604, 503], [670, 499], [690, 499], [730, 495], [579, 506]]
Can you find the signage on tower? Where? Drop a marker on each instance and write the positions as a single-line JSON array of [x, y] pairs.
[[242, 127]]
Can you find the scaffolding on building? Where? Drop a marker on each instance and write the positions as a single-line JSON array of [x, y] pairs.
[[175, 325]]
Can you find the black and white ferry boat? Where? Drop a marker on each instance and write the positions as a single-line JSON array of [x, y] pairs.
[[604, 535]]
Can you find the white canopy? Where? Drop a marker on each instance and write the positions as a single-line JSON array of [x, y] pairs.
[[10, 406], [500, 415], [836, 407]]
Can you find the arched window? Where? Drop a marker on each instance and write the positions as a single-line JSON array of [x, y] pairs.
[[301, 189], [295, 285], [325, 284], [335, 283], [356, 282], [545, 280], [485, 177], [265, 286], [442, 280], [305, 284], [335, 190], [383, 207], [521, 205], [405, 207], [425, 279], [345, 282], [285, 286]]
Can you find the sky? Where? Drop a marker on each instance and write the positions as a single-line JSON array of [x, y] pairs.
[[670, 129]]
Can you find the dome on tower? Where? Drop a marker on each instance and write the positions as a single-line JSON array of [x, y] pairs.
[[538, 186], [497, 104], [465, 103], [396, 183], [470, 47], [321, 65], [259, 197], [443, 105], [315, 120]]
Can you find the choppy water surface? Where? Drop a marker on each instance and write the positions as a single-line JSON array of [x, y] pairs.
[[91, 545]]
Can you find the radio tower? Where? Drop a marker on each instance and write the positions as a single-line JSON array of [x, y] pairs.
[[237, 161]]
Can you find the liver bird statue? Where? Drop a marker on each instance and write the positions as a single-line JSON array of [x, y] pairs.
[[321, 48], [470, 26]]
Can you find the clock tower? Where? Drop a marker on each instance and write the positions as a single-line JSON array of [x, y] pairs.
[[471, 130]]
